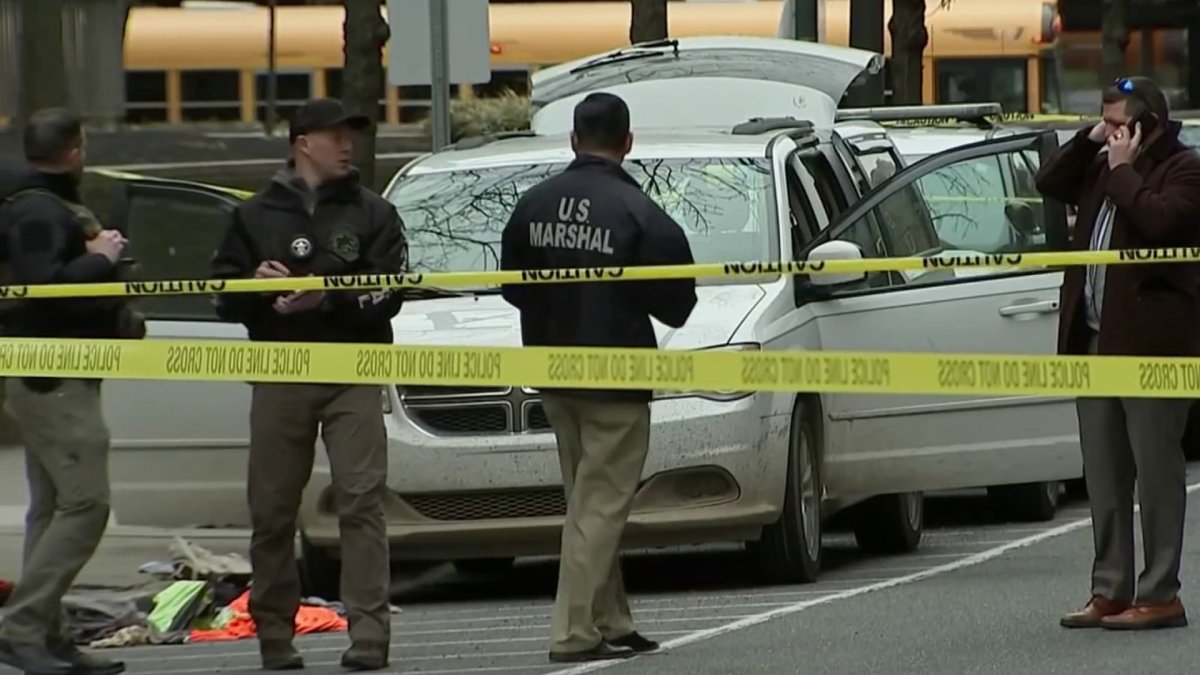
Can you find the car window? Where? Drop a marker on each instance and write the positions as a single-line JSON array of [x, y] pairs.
[[454, 219], [173, 234], [967, 206], [878, 165]]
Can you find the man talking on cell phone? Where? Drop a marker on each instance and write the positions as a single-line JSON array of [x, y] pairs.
[[1136, 186]]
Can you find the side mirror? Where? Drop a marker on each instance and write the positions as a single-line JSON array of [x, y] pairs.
[[835, 250], [1023, 219]]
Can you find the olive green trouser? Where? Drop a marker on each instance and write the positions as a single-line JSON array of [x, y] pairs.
[[602, 448], [284, 421], [66, 465]]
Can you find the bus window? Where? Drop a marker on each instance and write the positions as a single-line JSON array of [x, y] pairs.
[[210, 95], [983, 81], [291, 91], [145, 96]]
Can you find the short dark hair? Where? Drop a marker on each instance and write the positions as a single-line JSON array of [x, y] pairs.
[[602, 121], [51, 133], [1140, 94]]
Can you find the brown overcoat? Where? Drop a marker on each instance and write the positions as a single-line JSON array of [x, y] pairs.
[[1149, 309]]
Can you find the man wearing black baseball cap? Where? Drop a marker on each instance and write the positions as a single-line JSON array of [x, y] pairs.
[[321, 114], [315, 218]]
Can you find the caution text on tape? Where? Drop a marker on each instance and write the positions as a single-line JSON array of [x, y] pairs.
[[551, 367], [438, 280]]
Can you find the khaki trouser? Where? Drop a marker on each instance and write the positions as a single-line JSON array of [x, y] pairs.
[[284, 420], [66, 464], [1128, 440], [602, 449]]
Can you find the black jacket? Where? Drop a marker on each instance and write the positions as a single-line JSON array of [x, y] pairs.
[[45, 242], [594, 214], [342, 228]]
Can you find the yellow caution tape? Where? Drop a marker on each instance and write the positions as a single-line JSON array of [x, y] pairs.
[[435, 280], [125, 175], [550, 367]]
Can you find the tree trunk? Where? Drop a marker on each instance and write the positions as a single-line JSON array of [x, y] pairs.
[[43, 63], [1114, 32], [909, 38], [648, 20], [363, 76]]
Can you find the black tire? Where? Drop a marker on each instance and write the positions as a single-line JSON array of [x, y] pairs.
[[1028, 502], [890, 523], [320, 573], [790, 548], [484, 566], [1077, 489]]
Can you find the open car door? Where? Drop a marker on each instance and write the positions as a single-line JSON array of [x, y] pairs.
[[971, 199], [179, 448]]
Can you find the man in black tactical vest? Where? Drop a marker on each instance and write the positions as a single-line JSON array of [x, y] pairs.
[[49, 237]]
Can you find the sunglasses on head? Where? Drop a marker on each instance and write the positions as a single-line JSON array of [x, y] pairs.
[[1128, 86]]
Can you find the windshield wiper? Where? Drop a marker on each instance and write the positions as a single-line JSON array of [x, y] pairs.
[[639, 51]]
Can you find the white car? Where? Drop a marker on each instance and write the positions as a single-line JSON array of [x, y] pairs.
[[473, 471]]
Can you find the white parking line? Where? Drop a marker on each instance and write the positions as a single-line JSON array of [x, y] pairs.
[[454, 671], [172, 653], [420, 613], [754, 620]]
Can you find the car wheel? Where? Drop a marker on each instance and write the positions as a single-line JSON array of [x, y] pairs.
[[320, 573], [1027, 501], [484, 566], [790, 548], [890, 523]]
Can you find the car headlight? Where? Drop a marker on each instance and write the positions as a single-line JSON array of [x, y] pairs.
[[714, 395]]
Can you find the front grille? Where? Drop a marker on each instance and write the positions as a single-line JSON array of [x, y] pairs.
[[464, 419], [535, 418], [535, 503]]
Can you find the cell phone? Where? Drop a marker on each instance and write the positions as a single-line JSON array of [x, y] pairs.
[[1148, 121]]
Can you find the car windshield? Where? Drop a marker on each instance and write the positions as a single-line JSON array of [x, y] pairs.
[[454, 219]]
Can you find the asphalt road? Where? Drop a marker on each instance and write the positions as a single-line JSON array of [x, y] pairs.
[[979, 596]]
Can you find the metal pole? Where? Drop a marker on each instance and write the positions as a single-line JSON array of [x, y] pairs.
[[272, 84], [439, 74], [806, 19]]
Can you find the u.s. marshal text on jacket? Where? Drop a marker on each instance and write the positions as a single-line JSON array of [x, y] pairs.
[[594, 214]]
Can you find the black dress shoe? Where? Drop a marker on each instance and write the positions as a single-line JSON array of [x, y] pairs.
[[601, 652], [33, 659], [636, 642]]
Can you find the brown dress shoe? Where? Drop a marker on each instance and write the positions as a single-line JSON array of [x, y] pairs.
[[1091, 615], [1142, 617]]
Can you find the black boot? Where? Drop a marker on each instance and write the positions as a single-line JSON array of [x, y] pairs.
[[279, 655], [366, 656], [33, 659]]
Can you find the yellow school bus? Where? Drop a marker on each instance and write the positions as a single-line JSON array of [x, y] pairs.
[[210, 63]]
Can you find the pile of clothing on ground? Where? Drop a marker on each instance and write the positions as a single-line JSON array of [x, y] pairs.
[[199, 597]]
